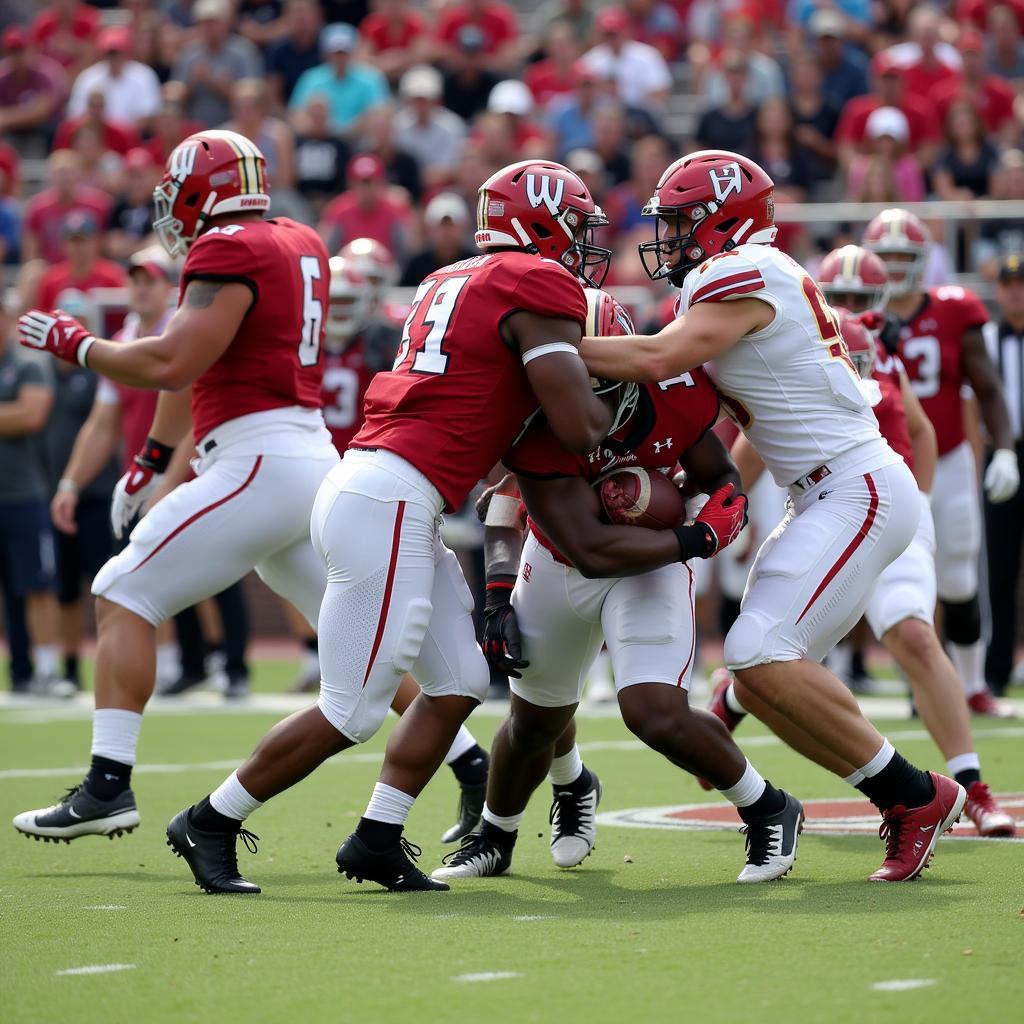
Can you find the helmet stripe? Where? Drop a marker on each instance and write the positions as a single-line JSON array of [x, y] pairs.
[[481, 209]]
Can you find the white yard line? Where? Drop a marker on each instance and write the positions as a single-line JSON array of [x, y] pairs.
[[901, 984], [487, 976], [96, 969]]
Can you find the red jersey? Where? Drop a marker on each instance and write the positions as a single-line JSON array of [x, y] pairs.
[[59, 280], [889, 411], [274, 360], [670, 418], [993, 100], [347, 375], [920, 114], [496, 21], [931, 347], [459, 395], [383, 35], [45, 215]]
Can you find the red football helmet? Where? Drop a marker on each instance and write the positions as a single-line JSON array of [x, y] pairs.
[[607, 319], [897, 233], [210, 173], [727, 200], [859, 342], [374, 263], [544, 208], [854, 277], [350, 304]]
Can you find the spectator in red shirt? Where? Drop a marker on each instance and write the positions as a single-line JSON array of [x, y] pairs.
[[890, 91], [32, 88], [554, 75], [925, 61], [84, 270], [117, 137], [46, 210], [656, 23], [10, 167], [395, 37], [66, 31], [367, 210], [170, 126], [1006, 51], [497, 24], [977, 11], [991, 95], [512, 100]]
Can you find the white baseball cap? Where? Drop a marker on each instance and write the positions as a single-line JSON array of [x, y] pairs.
[[510, 97], [446, 204], [421, 82], [889, 121]]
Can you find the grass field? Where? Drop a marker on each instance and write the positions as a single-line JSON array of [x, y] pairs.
[[651, 927]]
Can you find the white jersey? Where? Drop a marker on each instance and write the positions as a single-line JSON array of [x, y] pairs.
[[790, 387]]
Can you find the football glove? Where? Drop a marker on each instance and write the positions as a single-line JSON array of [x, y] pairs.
[[136, 487], [502, 645], [886, 326], [717, 525], [55, 332], [1002, 478]]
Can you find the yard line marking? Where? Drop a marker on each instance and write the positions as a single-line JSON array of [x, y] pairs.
[[106, 906], [487, 976], [371, 757], [96, 969], [534, 917], [901, 984]]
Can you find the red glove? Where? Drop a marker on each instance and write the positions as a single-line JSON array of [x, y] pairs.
[[55, 332], [724, 516]]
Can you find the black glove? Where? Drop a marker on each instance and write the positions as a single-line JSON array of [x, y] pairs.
[[502, 645]]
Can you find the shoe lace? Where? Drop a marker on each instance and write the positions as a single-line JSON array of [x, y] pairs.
[[69, 794], [891, 831], [470, 847], [567, 813], [250, 839], [229, 853], [760, 842], [411, 850]]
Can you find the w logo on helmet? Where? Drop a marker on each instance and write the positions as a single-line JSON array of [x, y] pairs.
[[182, 161], [543, 194], [726, 180]]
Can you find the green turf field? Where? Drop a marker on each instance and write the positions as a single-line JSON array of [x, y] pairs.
[[652, 927]]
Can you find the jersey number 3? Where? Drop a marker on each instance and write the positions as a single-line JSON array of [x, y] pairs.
[[427, 325]]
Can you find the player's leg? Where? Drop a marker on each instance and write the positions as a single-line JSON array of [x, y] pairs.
[[807, 588]]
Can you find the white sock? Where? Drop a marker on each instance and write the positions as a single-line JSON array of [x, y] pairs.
[[855, 778], [507, 824], [969, 662], [464, 740], [565, 770], [389, 805], [964, 763], [47, 660], [732, 702], [168, 662], [748, 790], [885, 754], [115, 734], [232, 799]]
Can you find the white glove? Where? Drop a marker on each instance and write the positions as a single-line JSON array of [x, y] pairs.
[[133, 490], [1002, 478]]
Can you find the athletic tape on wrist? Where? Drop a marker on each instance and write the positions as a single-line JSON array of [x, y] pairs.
[[83, 350], [502, 511]]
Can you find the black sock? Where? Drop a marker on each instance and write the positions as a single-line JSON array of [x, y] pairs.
[[311, 645], [378, 836], [771, 801], [208, 819], [71, 668], [106, 778], [899, 782], [471, 767], [857, 667], [580, 786], [968, 777], [498, 836]]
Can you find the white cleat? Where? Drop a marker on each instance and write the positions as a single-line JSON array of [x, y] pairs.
[[573, 825], [79, 813], [477, 857], [771, 844]]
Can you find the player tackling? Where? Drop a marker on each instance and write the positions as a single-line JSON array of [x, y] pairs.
[[774, 349]]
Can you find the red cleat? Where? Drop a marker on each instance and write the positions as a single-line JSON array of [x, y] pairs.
[[988, 817], [720, 680], [910, 833], [988, 705]]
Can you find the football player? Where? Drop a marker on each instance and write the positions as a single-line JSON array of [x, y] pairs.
[[942, 348], [775, 351], [247, 337], [583, 582], [488, 342]]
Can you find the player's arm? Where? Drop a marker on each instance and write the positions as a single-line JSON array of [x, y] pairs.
[[196, 336], [706, 331], [922, 436], [709, 467], [549, 348], [748, 462]]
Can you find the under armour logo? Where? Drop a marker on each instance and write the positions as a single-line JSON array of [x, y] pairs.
[[659, 445], [527, 571], [544, 189], [726, 180]]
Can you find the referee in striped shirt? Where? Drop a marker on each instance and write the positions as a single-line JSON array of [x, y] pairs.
[[1004, 523]]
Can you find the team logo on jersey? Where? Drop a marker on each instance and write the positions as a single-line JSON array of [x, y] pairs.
[[666, 445], [726, 180], [541, 188], [183, 160]]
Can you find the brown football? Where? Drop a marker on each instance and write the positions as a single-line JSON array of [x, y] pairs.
[[636, 497]]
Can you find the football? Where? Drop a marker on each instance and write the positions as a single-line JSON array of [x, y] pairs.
[[636, 497]]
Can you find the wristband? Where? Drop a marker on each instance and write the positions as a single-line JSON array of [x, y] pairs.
[[693, 541], [83, 350], [503, 510], [67, 486], [155, 456]]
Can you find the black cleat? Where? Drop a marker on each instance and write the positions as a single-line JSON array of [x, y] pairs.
[[471, 807], [478, 857], [79, 813], [771, 843], [211, 855], [393, 868]]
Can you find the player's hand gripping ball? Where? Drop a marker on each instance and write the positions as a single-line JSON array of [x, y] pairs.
[[636, 497]]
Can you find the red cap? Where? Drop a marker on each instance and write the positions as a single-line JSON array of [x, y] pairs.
[[971, 40], [883, 64], [139, 159], [366, 167], [153, 262], [116, 39], [612, 19], [15, 38]]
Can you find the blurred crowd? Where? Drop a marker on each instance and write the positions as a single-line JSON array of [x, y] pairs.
[[380, 118]]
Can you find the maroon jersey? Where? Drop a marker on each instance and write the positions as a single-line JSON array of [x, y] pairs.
[[274, 360], [670, 418], [458, 395], [931, 347], [889, 411]]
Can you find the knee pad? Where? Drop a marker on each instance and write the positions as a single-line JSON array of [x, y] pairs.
[[413, 630], [962, 621], [358, 720], [899, 603], [746, 642], [476, 677]]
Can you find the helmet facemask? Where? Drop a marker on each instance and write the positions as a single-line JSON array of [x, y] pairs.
[[854, 295], [669, 239], [169, 229], [905, 275], [595, 260]]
